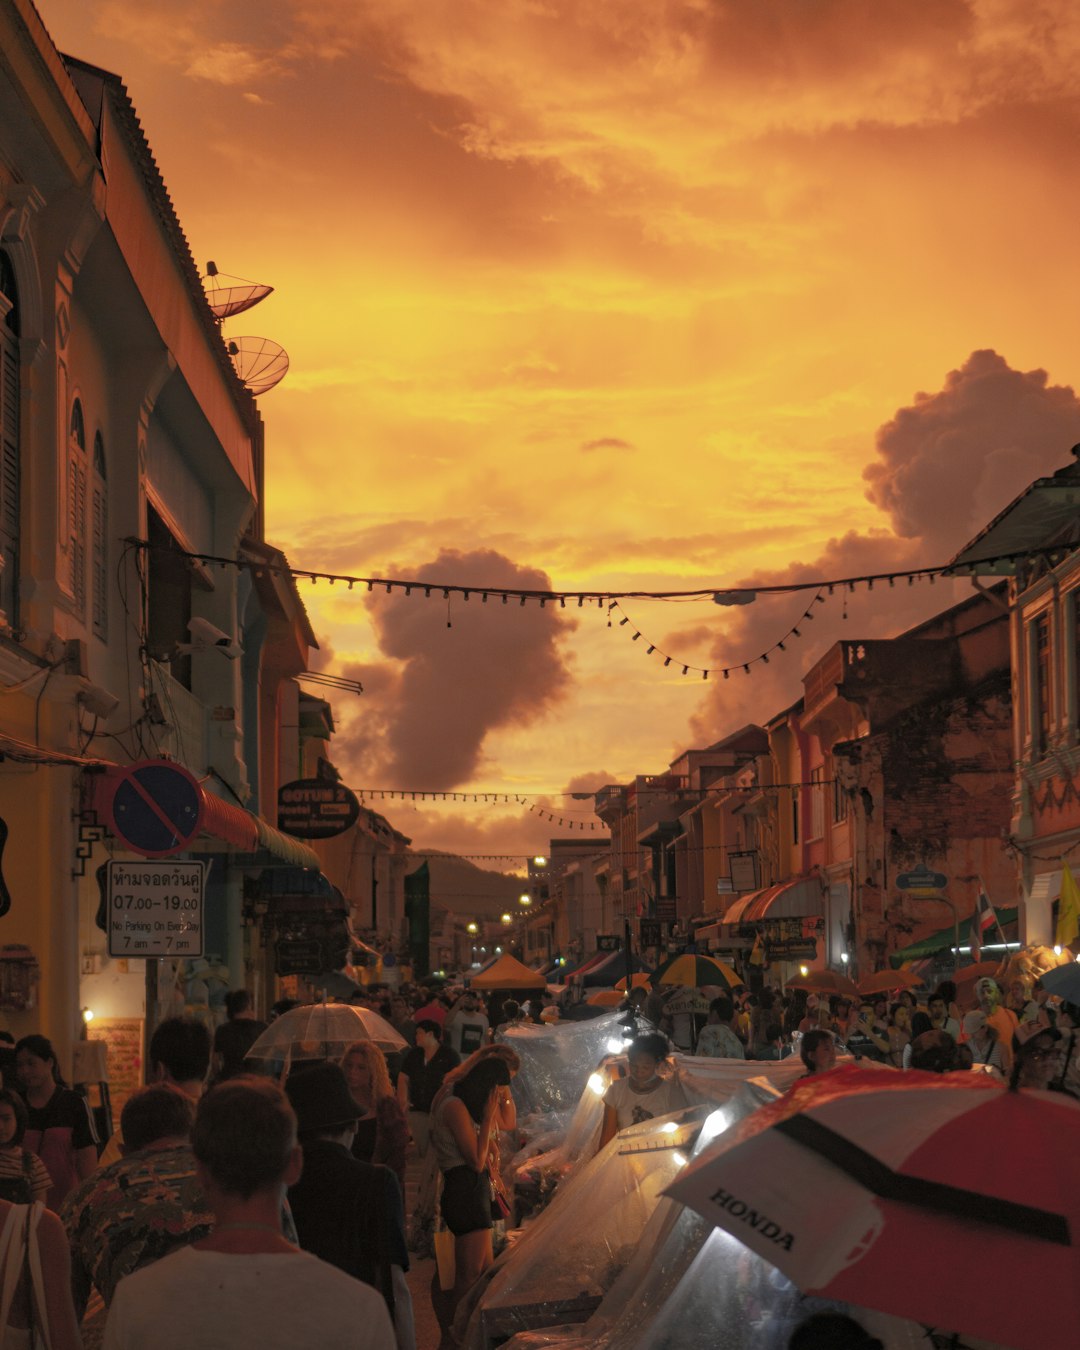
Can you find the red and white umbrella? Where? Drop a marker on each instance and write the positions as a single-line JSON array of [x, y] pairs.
[[943, 1198]]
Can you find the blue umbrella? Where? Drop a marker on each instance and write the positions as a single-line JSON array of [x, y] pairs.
[[1063, 981]]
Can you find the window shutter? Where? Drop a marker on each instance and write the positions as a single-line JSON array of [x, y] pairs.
[[9, 477]]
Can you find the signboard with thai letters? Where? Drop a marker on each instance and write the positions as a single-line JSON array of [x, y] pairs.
[[155, 908]]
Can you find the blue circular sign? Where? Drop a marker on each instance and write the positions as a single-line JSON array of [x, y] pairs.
[[156, 807]]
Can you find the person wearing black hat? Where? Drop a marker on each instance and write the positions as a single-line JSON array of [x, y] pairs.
[[347, 1212]]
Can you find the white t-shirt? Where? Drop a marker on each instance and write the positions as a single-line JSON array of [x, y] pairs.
[[221, 1301], [632, 1107]]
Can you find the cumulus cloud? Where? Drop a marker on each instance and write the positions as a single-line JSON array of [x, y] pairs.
[[952, 459], [947, 464], [455, 671]]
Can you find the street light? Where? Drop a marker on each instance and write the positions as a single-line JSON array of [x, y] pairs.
[[471, 928], [540, 860], [508, 918], [524, 899]]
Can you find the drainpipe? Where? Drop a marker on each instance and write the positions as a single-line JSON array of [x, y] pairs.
[[802, 740]]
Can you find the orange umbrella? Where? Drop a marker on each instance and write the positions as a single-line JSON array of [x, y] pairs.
[[606, 998], [825, 982], [885, 980], [640, 981]]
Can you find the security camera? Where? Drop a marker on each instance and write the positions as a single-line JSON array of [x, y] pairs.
[[205, 637], [97, 700], [204, 634]]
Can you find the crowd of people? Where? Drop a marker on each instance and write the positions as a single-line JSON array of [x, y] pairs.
[[277, 1209]]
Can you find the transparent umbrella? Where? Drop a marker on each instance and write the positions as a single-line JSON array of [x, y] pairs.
[[322, 1031]]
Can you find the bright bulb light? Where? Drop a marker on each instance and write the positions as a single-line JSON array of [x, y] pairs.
[[1057, 949], [540, 860], [680, 1159], [844, 957], [507, 918], [669, 1128], [525, 899], [804, 970], [88, 1014], [715, 1123], [472, 928], [597, 1083], [614, 1047]]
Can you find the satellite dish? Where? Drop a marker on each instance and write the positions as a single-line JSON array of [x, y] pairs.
[[231, 295], [259, 362]]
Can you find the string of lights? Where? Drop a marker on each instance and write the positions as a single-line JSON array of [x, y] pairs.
[[565, 821], [524, 799], [779, 645], [721, 595]]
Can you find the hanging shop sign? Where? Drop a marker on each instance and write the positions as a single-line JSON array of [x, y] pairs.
[[154, 807], [316, 808], [298, 956], [650, 932], [795, 949], [664, 907], [608, 942], [922, 881], [155, 909], [744, 871]]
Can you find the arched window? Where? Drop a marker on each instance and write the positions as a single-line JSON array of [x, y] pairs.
[[9, 440], [76, 486], [99, 542]]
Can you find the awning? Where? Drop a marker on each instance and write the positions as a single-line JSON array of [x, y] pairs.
[[592, 961], [612, 969], [798, 898], [282, 845], [233, 824], [943, 939]]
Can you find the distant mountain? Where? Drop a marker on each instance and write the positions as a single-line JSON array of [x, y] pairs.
[[467, 890]]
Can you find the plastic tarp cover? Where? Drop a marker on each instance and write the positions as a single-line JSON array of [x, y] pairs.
[[689, 1286], [557, 1059], [563, 1262]]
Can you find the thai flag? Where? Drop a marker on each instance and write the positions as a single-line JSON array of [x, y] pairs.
[[984, 918]]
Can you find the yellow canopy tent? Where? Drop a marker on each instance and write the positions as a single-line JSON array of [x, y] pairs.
[[507, 973]]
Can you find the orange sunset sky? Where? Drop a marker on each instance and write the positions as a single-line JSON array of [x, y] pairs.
[[627, 294]]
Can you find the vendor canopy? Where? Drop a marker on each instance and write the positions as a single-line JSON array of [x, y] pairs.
[[507, 973], [943, 939], [607, 971]]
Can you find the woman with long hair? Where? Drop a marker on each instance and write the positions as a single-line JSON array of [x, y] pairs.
[[462, 1126], [59, 1126], [382, 1133], [505, 1119]]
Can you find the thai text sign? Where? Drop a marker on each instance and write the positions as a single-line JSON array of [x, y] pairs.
[[155, 909]]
